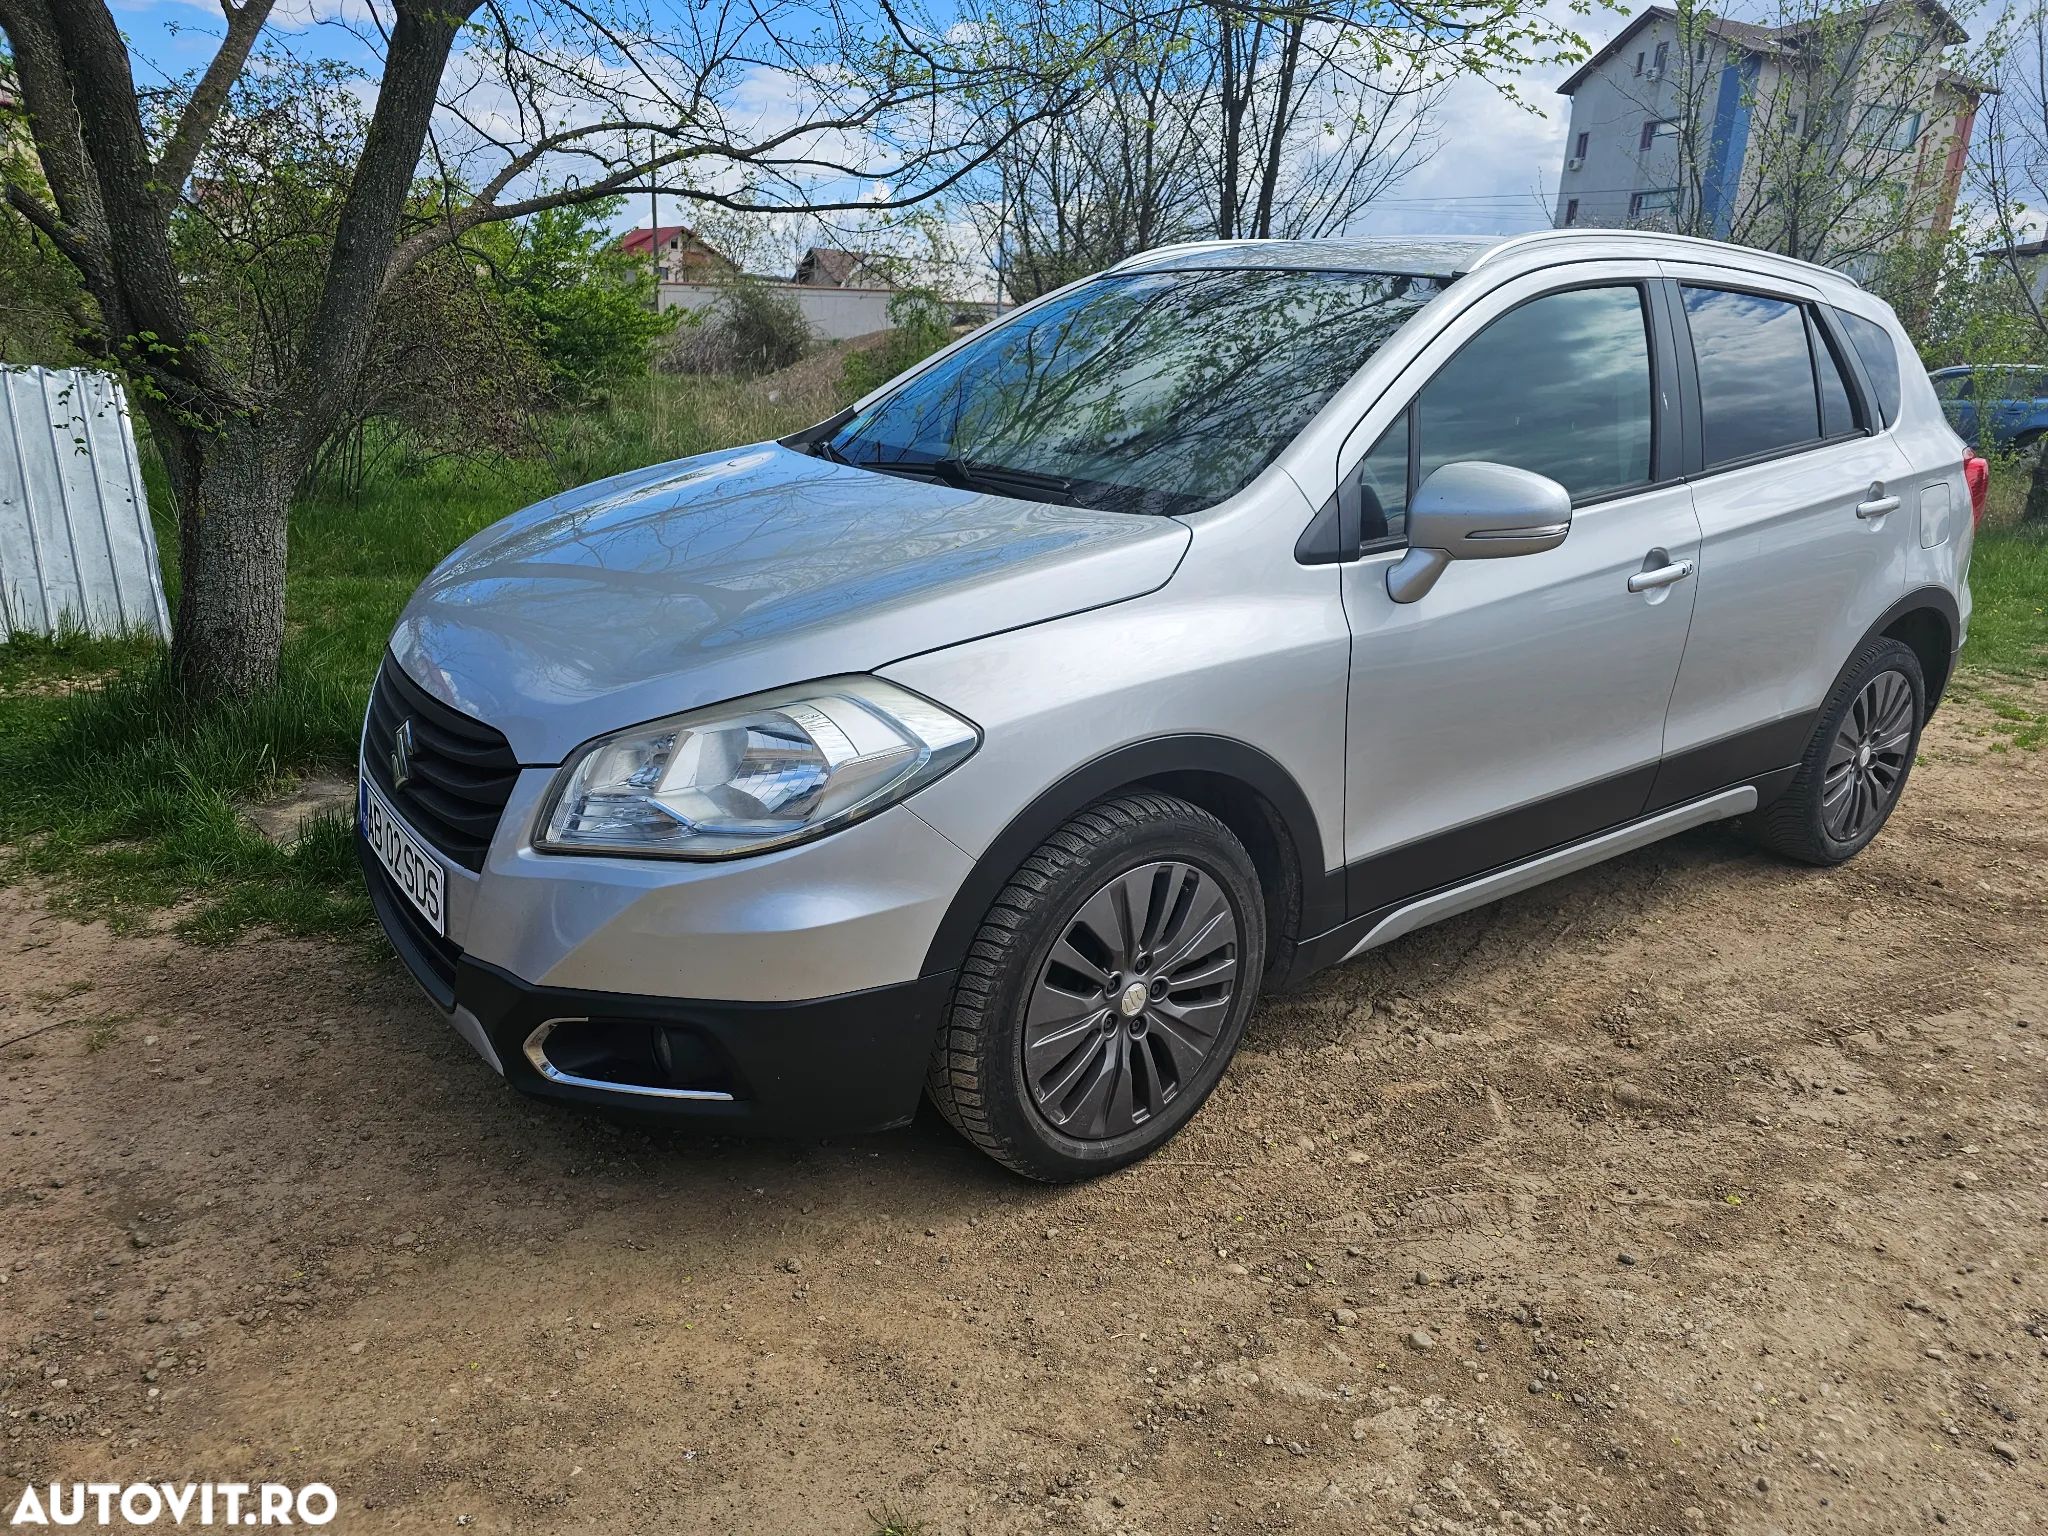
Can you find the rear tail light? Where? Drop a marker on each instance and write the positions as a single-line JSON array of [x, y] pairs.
[[1977, 473]]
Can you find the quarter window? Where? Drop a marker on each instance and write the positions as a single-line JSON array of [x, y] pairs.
[[1560, 386], [1873, 344], [1383, 485]]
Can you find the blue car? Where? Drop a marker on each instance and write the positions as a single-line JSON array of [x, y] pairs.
[[2008, 399]]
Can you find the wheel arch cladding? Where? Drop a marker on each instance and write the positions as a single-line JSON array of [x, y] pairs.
[[1926, 621], [1241, 786]]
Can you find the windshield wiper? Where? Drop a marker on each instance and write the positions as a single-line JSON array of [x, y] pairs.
[[961, 473], [973, 475]]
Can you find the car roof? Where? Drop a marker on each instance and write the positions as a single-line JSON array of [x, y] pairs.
[[1450, 256]]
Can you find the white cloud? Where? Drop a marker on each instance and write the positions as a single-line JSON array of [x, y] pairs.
[[1496, 167]]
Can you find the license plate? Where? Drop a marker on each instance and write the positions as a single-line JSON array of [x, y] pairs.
[[412, 866]]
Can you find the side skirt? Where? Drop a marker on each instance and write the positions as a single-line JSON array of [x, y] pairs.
[[1564, 861], [1403, 917]]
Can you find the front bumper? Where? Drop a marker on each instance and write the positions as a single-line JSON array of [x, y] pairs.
[[836, 1065]]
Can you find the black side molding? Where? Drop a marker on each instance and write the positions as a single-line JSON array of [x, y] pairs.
[[1745, 757]]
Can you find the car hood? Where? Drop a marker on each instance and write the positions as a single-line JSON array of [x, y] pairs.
[[723, 575]]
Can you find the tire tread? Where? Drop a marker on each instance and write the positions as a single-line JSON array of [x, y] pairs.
[[1790, 825], [953, 1080]]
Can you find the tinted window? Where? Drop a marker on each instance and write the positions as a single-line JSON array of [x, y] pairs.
[[1560, 386], [1873, 344], [1383, 484], [1755, 372], [1952, 386], [1837, 415], [1155, 392]]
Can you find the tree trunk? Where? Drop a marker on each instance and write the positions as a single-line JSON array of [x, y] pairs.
[[1283, 119], [2037, 490], [234, 489]]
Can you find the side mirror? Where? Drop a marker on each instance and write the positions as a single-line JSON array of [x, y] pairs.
[[1477, 511]]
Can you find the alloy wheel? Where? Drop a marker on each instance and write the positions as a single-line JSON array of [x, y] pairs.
[[1867, 759], [1132, 1001]]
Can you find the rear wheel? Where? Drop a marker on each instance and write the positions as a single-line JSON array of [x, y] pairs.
[[1857, 763], [1105, 992]]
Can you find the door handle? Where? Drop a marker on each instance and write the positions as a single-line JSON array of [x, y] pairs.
[[1877, 506], [1662, 576]]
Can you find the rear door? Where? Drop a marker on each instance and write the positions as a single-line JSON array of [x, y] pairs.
[[1806, 513]]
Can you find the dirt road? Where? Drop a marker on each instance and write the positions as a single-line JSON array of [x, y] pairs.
[[1695, 1193]]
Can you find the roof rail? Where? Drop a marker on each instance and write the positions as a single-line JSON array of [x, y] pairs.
[[1658, 237], [1157, 251]]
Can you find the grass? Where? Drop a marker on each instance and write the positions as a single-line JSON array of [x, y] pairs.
[[127, 802], [2009, 619], [2009, 581]]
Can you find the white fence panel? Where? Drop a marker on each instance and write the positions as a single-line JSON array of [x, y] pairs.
[[76, 546], [833, 314]]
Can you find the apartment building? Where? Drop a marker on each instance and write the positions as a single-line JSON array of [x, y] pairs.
[[1830, 136]]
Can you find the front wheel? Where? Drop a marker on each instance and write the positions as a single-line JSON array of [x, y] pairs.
[[1105, 992], [1856, 765]]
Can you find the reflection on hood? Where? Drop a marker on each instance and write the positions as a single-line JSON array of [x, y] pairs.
[[712, 577]]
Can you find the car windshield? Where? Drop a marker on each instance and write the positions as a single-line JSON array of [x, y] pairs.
[[1152, 392]]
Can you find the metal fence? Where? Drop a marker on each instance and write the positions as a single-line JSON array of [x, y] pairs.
[[77, 551]]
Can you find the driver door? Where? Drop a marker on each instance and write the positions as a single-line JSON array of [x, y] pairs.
[[1519, 704]]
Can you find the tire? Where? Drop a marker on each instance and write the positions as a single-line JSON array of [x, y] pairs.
[[1118, 1078], [1880, 699]]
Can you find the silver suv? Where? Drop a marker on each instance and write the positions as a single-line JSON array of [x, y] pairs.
[[1196, 626]]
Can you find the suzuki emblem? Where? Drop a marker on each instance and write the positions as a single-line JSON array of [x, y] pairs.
[[401, 755]]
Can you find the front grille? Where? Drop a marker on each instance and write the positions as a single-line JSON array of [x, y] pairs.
[[462, 771]]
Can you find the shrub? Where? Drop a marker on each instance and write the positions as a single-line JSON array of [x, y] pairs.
[[585, 307], [753, 327]]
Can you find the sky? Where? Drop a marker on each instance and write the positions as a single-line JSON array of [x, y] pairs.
[[1495, 170], [1496, 166]]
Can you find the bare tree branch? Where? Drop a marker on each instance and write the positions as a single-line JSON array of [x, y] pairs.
[[203, 108]]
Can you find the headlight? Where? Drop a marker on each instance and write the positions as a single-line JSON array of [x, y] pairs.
[[754, 774]]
